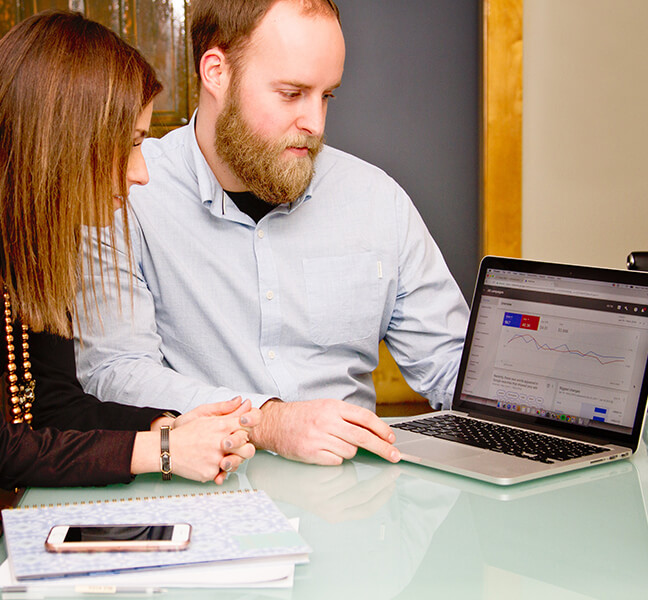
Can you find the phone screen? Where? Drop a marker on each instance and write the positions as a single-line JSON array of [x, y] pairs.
[[118, 533]]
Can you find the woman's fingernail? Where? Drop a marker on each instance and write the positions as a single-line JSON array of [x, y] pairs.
[[228, 445], [227, 466], [244, 420]]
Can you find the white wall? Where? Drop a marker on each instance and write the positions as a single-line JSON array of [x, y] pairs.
[[585, 130]]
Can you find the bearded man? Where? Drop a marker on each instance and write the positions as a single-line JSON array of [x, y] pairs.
[[267, 265]]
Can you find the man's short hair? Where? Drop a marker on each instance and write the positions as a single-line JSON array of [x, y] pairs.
[[228, 24]]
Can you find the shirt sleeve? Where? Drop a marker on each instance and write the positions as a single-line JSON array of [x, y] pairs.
[[62, 403], [118, 348], [52, 458], [428, 324]]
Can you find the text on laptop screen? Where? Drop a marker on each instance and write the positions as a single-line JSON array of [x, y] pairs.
[[559, 348]]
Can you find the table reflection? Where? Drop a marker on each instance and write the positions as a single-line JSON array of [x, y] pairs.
[[398, 531], [369, 527], [384, 531]]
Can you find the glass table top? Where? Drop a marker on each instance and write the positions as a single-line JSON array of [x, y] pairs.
[[383, 531]]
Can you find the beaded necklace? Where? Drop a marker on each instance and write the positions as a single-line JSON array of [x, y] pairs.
[[21, 391]]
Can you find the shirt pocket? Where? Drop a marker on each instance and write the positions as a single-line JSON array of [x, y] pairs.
[[342, 293]]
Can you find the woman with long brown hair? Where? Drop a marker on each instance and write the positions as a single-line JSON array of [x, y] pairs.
[[75, 105]]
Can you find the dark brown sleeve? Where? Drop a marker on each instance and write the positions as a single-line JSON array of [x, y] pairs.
[[53, 458]]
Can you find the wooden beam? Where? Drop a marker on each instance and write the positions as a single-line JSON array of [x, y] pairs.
[[501, 124]]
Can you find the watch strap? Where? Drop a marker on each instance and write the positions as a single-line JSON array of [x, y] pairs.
[[165, 454]]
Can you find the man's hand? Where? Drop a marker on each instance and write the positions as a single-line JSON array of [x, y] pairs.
[[323, 431]]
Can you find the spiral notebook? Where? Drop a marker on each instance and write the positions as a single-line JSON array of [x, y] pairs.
[[225, 526]]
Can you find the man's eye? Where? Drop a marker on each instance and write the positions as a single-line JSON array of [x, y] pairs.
[[290, 95], [328, 96]]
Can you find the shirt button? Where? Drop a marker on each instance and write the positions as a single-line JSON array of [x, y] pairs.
[[260, 233], [271, 355], [269, 295]]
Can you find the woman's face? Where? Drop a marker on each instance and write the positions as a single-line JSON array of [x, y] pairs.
[[136, 172]]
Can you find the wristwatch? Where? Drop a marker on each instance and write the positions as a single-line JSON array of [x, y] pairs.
[[165, 455]]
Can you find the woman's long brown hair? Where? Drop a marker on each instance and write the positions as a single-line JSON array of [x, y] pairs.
[[70, 92]]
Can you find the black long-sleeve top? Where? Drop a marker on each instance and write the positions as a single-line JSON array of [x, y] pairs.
[[77, 439]]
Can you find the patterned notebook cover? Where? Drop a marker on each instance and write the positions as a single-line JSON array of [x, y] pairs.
[[225, 526]]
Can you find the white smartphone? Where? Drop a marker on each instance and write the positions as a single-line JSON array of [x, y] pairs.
[[118, 538]]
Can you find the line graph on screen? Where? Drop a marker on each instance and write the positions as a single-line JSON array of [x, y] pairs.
[[565, 349], [570, 350]]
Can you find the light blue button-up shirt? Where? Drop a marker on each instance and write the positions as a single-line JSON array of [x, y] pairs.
[[292, 307]]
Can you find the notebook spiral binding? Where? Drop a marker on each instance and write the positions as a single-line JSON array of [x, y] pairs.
[[135, 499]]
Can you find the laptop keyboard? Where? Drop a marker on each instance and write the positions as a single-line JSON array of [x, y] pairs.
[[500, 438]]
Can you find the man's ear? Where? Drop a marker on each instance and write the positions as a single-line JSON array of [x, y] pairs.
[[214, 72]]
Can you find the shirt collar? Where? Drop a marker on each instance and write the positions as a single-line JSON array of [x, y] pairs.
[[209, 190]]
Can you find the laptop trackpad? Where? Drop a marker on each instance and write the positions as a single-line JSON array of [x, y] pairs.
[[439, 450]]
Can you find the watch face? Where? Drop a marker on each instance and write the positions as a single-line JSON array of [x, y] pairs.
[[165, 462]]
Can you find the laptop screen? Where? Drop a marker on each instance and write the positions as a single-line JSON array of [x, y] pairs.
[[558, 345]]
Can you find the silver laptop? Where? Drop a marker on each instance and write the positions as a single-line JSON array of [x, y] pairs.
[[552, 378]]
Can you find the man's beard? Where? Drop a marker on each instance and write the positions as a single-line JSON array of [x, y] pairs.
[[262, 165]]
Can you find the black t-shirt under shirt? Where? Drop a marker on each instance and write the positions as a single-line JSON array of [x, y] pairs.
[[250, 204]]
